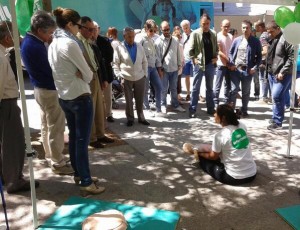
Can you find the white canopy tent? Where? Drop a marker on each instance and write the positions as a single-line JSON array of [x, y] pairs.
[[29, 150]]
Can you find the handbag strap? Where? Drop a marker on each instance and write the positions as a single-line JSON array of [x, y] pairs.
[[166, 52]]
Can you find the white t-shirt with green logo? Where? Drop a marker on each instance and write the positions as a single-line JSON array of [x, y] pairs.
[[233, 145]]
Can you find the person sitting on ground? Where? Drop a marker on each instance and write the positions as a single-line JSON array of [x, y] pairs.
[[229, 159]]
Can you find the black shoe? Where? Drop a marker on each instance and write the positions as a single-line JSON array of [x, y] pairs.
[[144, 122], [129, 123], [97, 144], [274, 126], [192, 114], [110, 119], [211, 112], [24, 187], [245, 115], [105, 139]]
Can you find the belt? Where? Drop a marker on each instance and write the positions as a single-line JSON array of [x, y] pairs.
[[82, 96]]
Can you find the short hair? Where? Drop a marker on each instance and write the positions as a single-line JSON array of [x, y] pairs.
[[260, 23], [64, 16], [185, 22], [127, 29], [149, 24], [205, 16], [272, 24], [96, 24], [5, 28], [112, 32], [41, 20], [85, 19], [247, 22]]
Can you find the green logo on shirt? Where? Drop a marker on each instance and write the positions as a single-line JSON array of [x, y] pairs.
[[239, 139]]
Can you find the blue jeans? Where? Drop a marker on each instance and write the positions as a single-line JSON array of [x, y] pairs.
[[79, 115], [264, 84], [221, 73], [154, 78], [279, 91], [245, 78], [209, 79], [169, 81]]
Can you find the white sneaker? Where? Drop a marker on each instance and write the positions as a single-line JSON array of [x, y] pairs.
[[179, 108], [150, 112], [160, 114], [163, 109]]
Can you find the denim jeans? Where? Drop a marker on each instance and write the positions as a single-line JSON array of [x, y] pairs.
[[264, 84], [154, 78], [221, 73], [169, 81], [79, 115], [209, 79], [245, 78], [279, 91]]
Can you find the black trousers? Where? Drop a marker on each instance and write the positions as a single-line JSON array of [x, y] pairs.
[[217, 170]]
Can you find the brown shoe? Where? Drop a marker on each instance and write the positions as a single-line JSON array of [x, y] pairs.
[[77, 179], [105, 139], [92, 189], [97, 144], [23, 186]]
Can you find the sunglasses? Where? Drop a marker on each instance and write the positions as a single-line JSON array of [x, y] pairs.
[[166, 30], [151, 30], [81, 26]]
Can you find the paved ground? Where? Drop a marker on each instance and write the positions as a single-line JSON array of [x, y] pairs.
[[151, 170]]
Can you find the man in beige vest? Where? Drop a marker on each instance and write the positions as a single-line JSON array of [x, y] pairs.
[[98, 128]]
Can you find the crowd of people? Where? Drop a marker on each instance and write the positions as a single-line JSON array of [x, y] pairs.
[[72, 67]]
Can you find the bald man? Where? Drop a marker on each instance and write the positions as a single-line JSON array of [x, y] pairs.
[[224, 40]]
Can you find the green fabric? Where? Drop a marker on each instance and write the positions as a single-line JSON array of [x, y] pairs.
[[24, 11], [291, 215], [71, 214]]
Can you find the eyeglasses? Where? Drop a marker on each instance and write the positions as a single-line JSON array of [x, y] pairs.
[[81, 26], [166, 30]]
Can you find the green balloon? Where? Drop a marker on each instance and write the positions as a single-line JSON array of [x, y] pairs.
[[283, 16], [297, 12]]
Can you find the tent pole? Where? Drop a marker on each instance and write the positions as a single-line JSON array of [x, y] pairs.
[[29, 152], [288, 154]]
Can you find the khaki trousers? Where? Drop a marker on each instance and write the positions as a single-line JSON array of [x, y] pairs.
[[52, 125], [98, 125], [136, 90], [108, 100]]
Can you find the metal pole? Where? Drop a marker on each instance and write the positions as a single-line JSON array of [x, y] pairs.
[[29, 150], [296, 47]]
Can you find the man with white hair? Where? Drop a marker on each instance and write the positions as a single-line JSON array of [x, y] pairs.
[[187, 71], [130, 63]]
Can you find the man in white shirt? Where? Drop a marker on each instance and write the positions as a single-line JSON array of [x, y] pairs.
[[168, 53], [12, 140], [224, 40]]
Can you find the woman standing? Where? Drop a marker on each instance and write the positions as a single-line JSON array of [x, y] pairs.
[[72, 76], [229, 158]]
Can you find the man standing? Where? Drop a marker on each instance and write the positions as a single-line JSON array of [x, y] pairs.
[[279, 60], [35, 57], [245, 59], [203, 53], [107, 52], [169, 61], [98, 127], [187, 71], [264, 37], [130, 64], [225, 40], [12, 140]]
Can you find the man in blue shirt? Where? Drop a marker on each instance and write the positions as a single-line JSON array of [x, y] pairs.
[[35, 57], [245, 58]]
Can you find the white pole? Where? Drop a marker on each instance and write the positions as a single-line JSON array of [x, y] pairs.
[[29, 150], [296, 47]]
